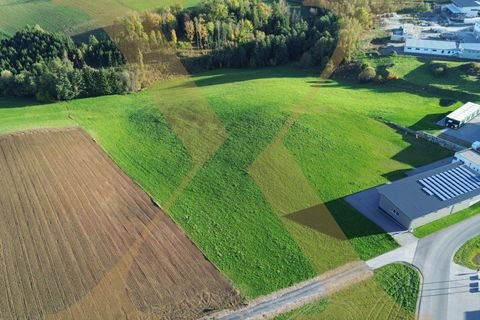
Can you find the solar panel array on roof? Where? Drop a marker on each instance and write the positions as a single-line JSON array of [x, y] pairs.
[[450, 184]]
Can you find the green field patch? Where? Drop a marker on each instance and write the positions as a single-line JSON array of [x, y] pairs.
[[469, 254], [417, 71], [16, 14], [446, 221], [401, 283]]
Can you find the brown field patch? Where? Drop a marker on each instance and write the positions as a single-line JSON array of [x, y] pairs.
[[79, 239]]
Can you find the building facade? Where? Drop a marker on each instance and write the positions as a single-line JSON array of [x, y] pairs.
[[468, 51], [433, 194]]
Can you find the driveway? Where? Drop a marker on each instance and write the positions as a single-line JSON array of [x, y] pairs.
[[468, 133]]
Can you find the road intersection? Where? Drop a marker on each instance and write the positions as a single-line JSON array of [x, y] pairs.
[[449, 291]]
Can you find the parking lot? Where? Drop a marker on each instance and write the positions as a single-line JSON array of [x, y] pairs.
[[431, 26], [468, 133]]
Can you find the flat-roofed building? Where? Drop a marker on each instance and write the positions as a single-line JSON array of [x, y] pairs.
[[467, 8], [431, 195], [462, 115], [469, 51], [432, 47]]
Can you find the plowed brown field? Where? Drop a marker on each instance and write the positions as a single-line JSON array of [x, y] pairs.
[[78, 239]]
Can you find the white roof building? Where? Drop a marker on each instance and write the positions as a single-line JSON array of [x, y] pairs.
[[464, 111], [469, 51]]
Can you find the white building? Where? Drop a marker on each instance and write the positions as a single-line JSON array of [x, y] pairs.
[[407, 31], [466, 8], [476, 30], [469, 157], [462, 115], [469, 51], [432, 47]]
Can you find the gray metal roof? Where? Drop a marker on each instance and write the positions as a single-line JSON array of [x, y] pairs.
[[408, 194], [466, 3], [431, 44]]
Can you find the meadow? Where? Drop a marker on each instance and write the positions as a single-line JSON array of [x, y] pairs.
[[195, 148], [16, 14], [416, 71], [72, 17]]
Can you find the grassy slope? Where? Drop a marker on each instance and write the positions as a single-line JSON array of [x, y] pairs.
[[16, 14], [64, 16], [392, 294], [144, 5], [466, 254], [337, 144], [416, 70], [446, 222]]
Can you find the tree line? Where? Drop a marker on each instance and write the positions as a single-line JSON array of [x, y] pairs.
[[231, 33], [50, 66]]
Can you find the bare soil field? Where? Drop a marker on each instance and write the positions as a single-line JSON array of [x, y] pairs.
[[80, 240]]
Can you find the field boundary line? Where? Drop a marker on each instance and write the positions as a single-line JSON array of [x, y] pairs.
[[266, 307]]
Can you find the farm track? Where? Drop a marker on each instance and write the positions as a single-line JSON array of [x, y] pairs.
[[69, 216]]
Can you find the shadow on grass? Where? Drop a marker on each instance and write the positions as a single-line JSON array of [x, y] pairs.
[[345, 223], [351, 222], [6, 103], [429, 122], [226, 76]]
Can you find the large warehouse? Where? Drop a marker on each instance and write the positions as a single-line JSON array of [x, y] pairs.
[[428, 196], [469, 51]]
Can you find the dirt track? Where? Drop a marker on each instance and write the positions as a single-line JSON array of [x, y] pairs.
[[78, 239]]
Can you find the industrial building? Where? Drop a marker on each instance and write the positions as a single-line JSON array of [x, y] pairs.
[[462, 115], [407, 31], [428, 196], [466, 8], [470, 51]]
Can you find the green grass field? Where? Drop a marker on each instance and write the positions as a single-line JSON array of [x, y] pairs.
[[469, 254], [337, 145], [68, 16], [416, 70], [391, 294], [16, 14], [446, 222]]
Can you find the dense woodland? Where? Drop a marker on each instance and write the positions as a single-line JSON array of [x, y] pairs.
[[232, 33], [36, 63]]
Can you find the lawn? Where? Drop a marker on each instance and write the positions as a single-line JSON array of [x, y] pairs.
[[392, 294], [469, 254], [446, 221], [416, 70], [16, 14], [71, 16], [204, 151], [144, 5]]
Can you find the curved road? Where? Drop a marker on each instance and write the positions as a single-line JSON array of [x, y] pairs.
[[449, 291]]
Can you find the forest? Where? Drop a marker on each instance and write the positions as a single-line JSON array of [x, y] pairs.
[[36, 63], [232, 34]]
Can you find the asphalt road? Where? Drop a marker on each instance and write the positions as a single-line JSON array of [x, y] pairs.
[[449, 291], [288, 299]]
